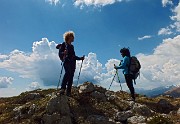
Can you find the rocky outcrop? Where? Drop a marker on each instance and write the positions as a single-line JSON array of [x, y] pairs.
[[137, 120], [98, 119], [58, 111], [89, 104], [98, 95], [164, 106], [87, 87], [30, 96], [142, 110], [124, 115], [178, 112]]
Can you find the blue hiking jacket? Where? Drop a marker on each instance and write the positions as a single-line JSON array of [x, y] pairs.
[[124, 65]]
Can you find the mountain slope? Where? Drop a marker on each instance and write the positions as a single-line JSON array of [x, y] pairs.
[[89, 104], [157, 91], [175, 92]]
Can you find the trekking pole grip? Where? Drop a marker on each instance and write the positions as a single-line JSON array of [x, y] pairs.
[[114, 66]]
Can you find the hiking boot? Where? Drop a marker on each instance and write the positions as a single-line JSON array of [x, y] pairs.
[[133, 97], [62, 91]]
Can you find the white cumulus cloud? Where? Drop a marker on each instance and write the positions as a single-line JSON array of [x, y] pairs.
[[33, 86], [97, 3], [177, 12], [5, 82], [55, 2], [165, 2], [36, 65], [161, 68], [83, 3], [91, 69], [144, 37], [165, 31], [2, 57], [175, 17]]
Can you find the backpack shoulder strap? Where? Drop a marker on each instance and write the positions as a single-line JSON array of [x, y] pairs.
[[129, 64], [63, 46]]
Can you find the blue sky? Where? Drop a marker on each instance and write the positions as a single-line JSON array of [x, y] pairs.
[[29, 31]]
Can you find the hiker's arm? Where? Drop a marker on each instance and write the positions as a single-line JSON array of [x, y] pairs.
[[123, 64], [79, 58]]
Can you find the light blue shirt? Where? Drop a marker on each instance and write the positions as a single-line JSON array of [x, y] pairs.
[[124, 65]]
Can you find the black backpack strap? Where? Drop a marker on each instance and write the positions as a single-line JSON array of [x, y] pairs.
[[129, 65], [138, 76], [61, 50]]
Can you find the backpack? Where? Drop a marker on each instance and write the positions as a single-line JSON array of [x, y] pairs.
[[58, 46], [134, 68], [61, 46]]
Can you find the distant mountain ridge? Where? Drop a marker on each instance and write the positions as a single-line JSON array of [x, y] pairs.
[[173, 91]]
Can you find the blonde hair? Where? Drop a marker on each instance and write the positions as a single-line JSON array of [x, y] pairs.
[[68, 34]]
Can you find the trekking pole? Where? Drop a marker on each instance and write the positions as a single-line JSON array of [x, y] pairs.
[[119, 80], [60, 75], [112, 81], [79, 72]]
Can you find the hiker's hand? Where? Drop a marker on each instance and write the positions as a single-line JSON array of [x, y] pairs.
[[115, 67], [82, 58], [120, 62], [65, 52]]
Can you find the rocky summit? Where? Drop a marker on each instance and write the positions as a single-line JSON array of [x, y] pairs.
[[88, 104]]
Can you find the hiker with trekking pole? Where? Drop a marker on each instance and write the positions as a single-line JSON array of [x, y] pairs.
[[68, 58], [125, 65]]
